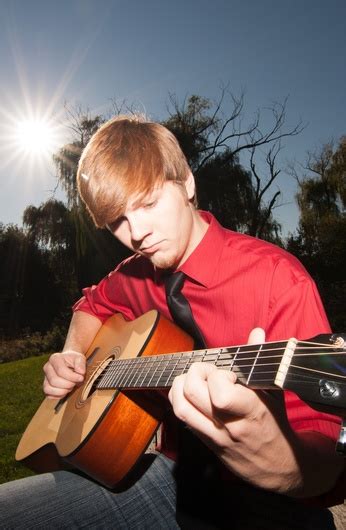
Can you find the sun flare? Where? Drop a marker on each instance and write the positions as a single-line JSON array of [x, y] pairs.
[[35, 137], [30, 138]]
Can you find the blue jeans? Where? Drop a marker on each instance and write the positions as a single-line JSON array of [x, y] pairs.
[[67, 500]]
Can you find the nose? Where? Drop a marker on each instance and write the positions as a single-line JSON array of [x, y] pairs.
[[139, 228]]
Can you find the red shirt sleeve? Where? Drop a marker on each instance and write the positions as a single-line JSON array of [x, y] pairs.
[[298, 312], [105, 298]]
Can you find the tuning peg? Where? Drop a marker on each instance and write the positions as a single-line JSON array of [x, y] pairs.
[[341, 442]]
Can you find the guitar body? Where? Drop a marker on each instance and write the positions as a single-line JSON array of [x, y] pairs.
[[103, 432]]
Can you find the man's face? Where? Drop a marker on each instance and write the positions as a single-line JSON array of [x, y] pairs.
[[162, 226]]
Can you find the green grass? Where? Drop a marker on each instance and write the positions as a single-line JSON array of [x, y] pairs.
[[20, 395]]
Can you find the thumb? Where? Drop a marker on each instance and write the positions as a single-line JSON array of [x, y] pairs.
[[80, 364], [76, 360], [256, 336]]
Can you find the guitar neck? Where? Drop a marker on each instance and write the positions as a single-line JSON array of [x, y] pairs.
[[257, 366]]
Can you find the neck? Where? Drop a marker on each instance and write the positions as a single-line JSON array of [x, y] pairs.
[[257, 366], [199, 228]]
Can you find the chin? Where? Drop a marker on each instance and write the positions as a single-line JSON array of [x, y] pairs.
[[164, 262]]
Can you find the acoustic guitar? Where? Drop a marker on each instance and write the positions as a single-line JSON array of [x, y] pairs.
[[104, 426]]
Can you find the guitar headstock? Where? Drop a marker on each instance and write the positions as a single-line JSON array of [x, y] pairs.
[[317, 373]]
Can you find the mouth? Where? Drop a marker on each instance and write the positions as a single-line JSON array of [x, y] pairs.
[[151, 248]]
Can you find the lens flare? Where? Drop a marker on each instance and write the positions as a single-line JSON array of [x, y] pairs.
[[35, 137]]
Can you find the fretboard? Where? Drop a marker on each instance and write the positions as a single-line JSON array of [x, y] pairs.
[[256, 366]]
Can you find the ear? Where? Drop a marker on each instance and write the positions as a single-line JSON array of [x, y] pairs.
[[190, 186]]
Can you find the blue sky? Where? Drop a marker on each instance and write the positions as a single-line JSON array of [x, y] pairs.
[[89, 51]]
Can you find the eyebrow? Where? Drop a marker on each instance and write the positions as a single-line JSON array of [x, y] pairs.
[[137, 204], [145, 197]]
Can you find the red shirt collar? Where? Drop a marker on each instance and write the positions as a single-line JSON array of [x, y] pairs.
[[202, 264]]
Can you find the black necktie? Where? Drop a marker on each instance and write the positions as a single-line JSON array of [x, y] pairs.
[[197, 471], [180, 308]]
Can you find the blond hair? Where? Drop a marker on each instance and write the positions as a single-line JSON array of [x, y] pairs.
[[127, 155]]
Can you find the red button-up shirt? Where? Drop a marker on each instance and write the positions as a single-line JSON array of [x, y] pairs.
[[234, 283]]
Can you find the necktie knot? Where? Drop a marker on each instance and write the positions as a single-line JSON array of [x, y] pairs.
[[180, 308], [174, 283]]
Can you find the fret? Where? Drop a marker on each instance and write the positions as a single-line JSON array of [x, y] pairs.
[[177, 370], [266, 366], [224, 359], [187, 364], [116, 370], [111, 374], [136, 382], [146, 367], [151, 381], [103, 378], [235, 357], [238, 365], [209, 356], [128, 375], [154, 366], [166, 373], [162, 365], [253, 365], [182, 366]]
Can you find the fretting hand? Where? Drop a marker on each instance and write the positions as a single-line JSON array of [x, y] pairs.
[[248, 430]]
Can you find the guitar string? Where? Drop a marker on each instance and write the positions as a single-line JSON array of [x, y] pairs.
[[156, 360], [221, 357], [169, 357], [131, 370], [225, 351], [210, 357], [261, 382], [125, 377]]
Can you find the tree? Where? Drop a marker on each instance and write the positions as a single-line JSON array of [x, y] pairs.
[[51, 228], [213, 142], [320, 241], [321, 199], [82, 126], [95, 252], [29, 297], [78, 254]]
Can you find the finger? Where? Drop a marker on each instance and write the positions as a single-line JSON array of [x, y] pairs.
[[56, 381], [64, 366], [75, 360], [192, 388], [215, 393], [231, 399], [257, 336], [54, 392], [205, 426]]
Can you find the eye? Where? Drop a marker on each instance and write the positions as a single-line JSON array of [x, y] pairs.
[[150, 204], [112, 227]]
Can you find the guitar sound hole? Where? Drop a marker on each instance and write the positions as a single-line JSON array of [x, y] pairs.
[[90, 386]]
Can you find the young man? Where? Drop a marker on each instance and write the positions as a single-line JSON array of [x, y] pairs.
[[270, 456]]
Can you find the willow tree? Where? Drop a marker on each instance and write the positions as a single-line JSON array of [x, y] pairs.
[[29, 297], [213, 137], [82, 126], [320, 241], [95, 251], [321, 200]]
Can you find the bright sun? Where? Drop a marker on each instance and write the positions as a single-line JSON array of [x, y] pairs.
[[35, 137], [30, 138]]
